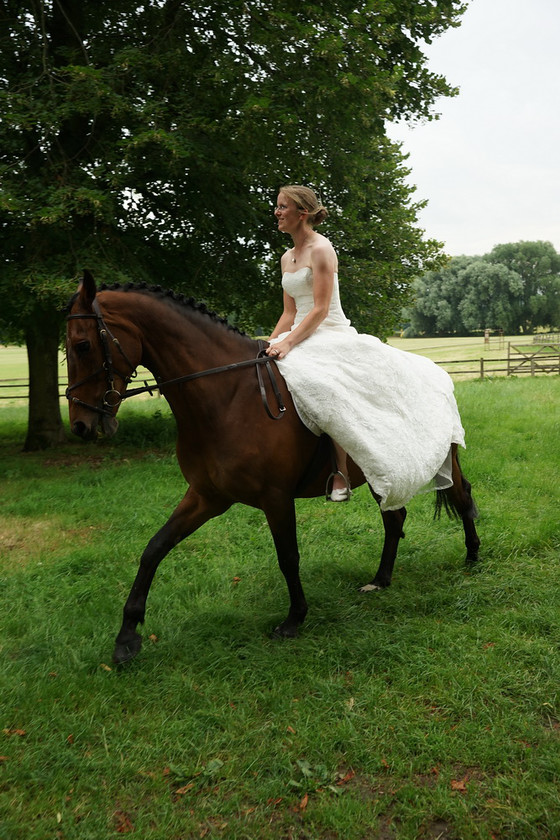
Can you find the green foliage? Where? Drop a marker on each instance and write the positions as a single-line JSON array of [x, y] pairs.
[[150, 140], [490, 297], [429, 710], [538, 266], [515, 288]]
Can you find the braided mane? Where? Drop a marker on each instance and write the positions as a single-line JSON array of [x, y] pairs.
[[168, 295]]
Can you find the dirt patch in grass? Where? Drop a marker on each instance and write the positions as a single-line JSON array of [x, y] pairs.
[[94, 459], [24, 541], [439, 830]]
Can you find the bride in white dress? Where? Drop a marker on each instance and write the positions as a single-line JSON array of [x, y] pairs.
[[393, 412]]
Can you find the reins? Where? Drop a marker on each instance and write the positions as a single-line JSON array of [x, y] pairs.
[[260, 360], [113, 398]]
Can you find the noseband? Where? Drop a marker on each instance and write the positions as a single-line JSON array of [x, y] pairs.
[[112, 398]]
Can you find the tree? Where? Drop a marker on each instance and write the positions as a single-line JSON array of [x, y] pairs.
[[436, 298], [147, 141], [515, 288], [491, 296], [538, 266]]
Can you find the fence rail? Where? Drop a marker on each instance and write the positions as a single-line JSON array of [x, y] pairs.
[[18, 389], [547, 338], [519, 360], [545, 359], [512, 366]]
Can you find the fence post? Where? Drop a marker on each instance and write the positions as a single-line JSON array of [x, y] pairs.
[[482, 367]]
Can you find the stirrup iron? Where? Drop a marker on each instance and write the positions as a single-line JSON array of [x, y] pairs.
[[329, 490]]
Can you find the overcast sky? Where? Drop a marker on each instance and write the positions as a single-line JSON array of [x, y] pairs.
[[490, 166]]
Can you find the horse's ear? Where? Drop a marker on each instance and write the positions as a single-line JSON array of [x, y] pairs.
[[87, 289]]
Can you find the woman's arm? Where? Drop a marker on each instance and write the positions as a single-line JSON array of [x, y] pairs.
[[286, 318]]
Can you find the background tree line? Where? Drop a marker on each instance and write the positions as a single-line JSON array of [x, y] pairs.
[[516, 288], [147, 141]]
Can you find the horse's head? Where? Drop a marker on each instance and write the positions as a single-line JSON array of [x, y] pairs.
[[101, 361]]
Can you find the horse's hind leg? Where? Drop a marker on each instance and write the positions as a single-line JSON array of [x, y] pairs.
[[393, 521], [459, 502], [192, 512]]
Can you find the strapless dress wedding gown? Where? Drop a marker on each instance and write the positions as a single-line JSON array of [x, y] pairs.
[[394, 412]]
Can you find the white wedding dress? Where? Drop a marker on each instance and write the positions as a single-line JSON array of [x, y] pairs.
[[393, 412]]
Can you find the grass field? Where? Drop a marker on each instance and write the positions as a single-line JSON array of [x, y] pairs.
[[430, 710], [462, 354]]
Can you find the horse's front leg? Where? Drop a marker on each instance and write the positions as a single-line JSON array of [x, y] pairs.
[[281, 517], [192, 512]]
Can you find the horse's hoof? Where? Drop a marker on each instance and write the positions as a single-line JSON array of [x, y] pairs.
[[372, 587], [125, 651], [284, 631]]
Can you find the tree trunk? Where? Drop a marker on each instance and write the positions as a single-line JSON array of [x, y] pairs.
[[44, 427]]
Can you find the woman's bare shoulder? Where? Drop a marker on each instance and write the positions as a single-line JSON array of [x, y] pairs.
[[323, 252]]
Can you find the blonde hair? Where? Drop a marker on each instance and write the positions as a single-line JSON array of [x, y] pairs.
[[306, 200]]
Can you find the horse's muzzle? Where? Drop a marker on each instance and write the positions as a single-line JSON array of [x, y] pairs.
[[90, 431], [109, 425], [83, 431]]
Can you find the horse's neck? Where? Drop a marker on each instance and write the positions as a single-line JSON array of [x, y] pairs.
[[178, 342]]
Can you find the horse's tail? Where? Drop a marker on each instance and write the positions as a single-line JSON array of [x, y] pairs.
[[448, 501], [444, 502]]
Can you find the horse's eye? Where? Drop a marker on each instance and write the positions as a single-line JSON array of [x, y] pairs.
[[82, 347]]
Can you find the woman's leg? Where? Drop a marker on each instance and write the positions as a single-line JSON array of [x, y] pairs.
[[340, 483], [341, 457]]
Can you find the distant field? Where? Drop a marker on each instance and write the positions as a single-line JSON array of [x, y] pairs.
[[463, 347], [460, 356], [13, 360]]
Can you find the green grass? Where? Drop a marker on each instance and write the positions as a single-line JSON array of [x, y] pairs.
[[429, 710]]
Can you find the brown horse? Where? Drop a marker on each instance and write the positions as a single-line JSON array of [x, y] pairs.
[[228, 447]]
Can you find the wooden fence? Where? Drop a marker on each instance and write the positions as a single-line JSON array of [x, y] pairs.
[[520, 359], [544, 359], [13, 389], [547, 338], [540, 359]]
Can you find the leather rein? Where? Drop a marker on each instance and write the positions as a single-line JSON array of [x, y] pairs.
[[113, 397]]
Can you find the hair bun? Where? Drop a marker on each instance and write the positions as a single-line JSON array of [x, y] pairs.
[[320, 215]]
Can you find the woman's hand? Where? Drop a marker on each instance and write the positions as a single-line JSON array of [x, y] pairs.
[[279, 350]]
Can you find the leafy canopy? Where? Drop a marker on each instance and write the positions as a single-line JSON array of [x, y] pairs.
[[148, 141]]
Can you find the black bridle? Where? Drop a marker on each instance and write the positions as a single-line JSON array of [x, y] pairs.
[[112, 397]]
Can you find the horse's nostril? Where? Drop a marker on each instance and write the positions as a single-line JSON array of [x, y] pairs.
[[79, 428]]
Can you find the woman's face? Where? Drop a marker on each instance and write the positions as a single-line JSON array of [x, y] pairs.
[[288, 215]]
